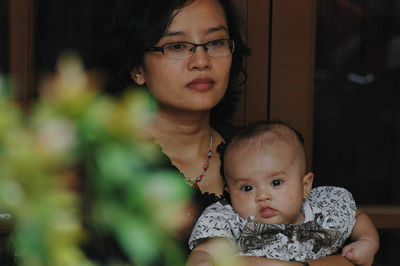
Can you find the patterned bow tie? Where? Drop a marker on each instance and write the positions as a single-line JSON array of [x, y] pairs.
[[256, 235]]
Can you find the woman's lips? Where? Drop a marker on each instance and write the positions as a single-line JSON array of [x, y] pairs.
[[201, 84], [267, 212]]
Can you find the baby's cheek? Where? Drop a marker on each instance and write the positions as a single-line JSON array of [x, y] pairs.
[[242, 206]]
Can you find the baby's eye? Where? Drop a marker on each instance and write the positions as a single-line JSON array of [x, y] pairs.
[[246, 188], [276, 182]]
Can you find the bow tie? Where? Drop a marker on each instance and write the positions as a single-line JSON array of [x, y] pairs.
[[256, 235]]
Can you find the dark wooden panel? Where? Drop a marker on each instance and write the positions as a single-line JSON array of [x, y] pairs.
[[258, 26], [239, 116], [383, 216], [4, 37], [292, 65], [21, 48]]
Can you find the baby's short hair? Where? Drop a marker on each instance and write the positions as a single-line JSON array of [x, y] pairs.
[[267, 129], [261, 133]]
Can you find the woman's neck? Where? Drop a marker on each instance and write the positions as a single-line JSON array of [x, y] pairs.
[[181, 133], [185, 139]]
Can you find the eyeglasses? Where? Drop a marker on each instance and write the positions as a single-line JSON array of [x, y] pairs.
[[183, 50]]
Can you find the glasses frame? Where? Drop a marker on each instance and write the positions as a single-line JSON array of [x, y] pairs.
[[161, 48]]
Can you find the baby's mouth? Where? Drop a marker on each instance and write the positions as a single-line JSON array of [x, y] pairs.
[[267, 212]]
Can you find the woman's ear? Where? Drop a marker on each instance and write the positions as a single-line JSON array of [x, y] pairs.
[[137, 74], [226, 188], [307, 184]]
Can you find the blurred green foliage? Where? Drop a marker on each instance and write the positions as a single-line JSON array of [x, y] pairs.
[[80, 160]]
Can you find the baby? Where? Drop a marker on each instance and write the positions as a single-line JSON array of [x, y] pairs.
[[273, 211]]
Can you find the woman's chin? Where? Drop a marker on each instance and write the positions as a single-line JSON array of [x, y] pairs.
[[189, 107]]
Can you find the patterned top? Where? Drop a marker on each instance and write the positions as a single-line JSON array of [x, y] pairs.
[[329, 219]]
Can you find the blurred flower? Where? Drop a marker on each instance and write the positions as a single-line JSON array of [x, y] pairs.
[[70, 90], [56, 137], [80, 160]]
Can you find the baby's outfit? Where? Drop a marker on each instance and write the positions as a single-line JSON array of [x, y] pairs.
[[330, 215]]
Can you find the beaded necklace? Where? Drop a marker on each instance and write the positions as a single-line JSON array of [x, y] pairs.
[[194, 183]]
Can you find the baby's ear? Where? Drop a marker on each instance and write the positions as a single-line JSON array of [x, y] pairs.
[[137, 74], [307, 184]]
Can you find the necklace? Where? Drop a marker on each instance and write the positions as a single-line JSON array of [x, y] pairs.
[[194, 183]]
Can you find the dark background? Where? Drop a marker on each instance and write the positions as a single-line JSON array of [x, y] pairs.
[[357, 100], [357, 105]]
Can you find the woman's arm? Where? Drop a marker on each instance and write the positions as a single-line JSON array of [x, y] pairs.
[[332, 260], [212, 251], [366, 244], [261, 261], [219, 252]]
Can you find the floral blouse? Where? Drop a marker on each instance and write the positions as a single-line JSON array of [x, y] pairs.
[[329, 219]]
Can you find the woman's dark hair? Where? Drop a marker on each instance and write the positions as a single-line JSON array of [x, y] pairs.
[[139, 24]]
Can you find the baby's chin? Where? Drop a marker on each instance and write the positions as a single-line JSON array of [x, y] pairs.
[[272, 220], [276, 219]]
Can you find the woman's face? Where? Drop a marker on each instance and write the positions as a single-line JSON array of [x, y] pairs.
[[196, 83]]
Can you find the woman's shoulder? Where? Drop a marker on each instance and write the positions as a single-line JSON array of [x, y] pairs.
[[203, 200], [227, 130]]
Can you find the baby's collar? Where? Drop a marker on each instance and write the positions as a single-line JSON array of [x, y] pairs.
[[309, 212]]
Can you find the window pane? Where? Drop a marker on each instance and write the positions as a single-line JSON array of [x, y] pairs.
[[63, 26], [357, 104], [357, 98]]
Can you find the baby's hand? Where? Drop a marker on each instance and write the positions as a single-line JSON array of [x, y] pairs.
[[360, 252]]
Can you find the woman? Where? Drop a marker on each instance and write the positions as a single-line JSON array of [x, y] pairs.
[[189, 55], [195, 92]]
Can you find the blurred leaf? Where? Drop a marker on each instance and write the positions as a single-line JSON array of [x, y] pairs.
[[138, 239]]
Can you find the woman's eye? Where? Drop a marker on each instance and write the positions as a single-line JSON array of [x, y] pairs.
[[246, 188], [216, 43], [276, 182], [176, 46]]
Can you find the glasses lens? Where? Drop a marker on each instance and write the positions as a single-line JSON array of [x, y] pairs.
[[219, 48], [178, 50], [215, 48]]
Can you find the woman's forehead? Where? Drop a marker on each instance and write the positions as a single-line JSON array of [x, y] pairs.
[[204, 16]]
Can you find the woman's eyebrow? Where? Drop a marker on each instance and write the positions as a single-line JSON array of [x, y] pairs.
[[173, 33], [210, 30], [219, 28]]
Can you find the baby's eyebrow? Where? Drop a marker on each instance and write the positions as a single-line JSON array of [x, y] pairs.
[[240, 180]]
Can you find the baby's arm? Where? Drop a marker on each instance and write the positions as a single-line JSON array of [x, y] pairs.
[[366, 244]]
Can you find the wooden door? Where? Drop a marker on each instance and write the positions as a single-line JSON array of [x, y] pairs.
[[280, 68]]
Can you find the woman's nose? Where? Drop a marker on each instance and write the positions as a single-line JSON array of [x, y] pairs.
[[199, 59]]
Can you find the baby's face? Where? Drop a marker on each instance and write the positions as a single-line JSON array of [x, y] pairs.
[[267, 182]]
